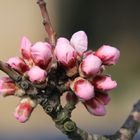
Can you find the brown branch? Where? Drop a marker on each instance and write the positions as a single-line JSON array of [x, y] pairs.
[[46, 22], [49, 99], [130, 126], [61, 117], [48, 96], [10, 72], [126, 132], [19, 80]]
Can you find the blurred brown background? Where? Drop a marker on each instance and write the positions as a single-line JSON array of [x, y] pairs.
[[116, 23]]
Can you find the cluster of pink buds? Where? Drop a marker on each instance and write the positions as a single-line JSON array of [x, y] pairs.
[[91, 86], [33, 64], [84, 70]]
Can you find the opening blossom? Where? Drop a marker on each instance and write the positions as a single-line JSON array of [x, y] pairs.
[[18, 64], [25, 48], [24, 109], [109, 55], [96, 105], [104, 83], [82, 88], [34, 62], [66, 51], [85, 83], [79, 41]]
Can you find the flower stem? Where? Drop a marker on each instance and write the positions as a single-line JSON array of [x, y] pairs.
[[46, 22]]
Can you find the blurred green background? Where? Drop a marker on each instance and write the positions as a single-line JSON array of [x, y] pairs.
[[115, 23]]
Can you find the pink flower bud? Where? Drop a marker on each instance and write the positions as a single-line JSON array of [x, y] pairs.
[[95, 107], [65, 53], [103, 98], [7, 86], [18, 64], [37, 75], [25, 48], [41, 53], [82, 88], [104, 83], [109, 55], [79, 41], [24, 109], [90, 66]]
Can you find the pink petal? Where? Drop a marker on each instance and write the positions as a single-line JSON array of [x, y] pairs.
[[104, 83], [24, 109], [103, 98], [65, 53], [109, 55], [90, 66], [79, 41], [25, 48], [41, 53], [18, 64], [37, 75], [94, 107], [7, 86], [82, 88]]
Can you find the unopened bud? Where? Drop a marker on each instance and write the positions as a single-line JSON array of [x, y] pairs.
[[18, 64], [37, 75], [65, 53], [104, 83], [41, 53], [25, 48], [82, 88], [90, 66], [109, 55], [24, 109], [79, 41]]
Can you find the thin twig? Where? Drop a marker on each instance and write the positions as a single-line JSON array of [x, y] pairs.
[[10, 72], [130, 126], [46, 22]]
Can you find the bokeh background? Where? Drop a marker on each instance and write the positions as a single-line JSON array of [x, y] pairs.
[[116, 23]]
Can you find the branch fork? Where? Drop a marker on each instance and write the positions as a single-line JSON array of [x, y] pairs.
[[48, 96]]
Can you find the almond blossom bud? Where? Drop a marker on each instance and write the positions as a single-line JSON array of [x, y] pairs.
[[65, 53], [37, 75], [7, 86], [79, 41], [109, 55], [103, 98], [95, 107], [25, 48], [24, 109], [82, 88], [104, 83], [90, 65], [18, 64], [41, 53]]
